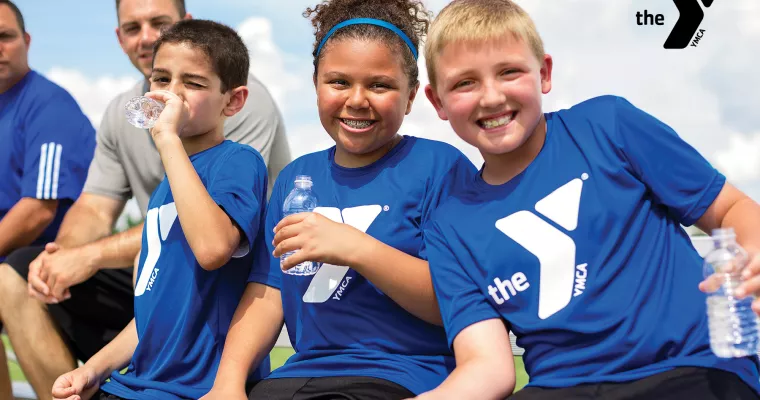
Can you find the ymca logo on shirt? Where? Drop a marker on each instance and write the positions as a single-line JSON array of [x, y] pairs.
[[328, 281], [162, 218], [559, 278]]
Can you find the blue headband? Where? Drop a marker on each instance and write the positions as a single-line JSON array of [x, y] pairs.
[[369, 21]]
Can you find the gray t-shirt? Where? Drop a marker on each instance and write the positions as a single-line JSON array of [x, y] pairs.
[[126, 161]]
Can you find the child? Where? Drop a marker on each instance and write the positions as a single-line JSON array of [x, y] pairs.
[[202, 220], [367, 330], [572, 233]]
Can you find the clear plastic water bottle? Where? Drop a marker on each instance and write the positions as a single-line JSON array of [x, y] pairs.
[[732, 323], [301, 199], [142, 112]]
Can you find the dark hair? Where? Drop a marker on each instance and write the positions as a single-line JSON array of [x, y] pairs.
[[408, 15], [222, 46], [19, 17], [179, 4]]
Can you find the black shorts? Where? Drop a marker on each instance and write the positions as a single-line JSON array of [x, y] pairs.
[[97, 311], [685, 383], [101, 395], [329, 388]]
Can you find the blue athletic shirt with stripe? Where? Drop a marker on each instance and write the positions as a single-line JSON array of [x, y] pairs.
[[46, 145], [339, 323], [183, 312], [583, 255]]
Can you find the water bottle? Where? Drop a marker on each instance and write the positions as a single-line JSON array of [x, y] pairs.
[[142, 112], [732, 324], [301, 199]]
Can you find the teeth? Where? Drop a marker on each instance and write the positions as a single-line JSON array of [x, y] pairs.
[[495, 123], [357, 124]]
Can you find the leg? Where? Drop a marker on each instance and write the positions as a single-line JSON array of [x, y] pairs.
[[683, 383], [39, 347], [277, 389]]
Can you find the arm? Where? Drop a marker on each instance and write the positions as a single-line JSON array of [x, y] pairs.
[[255, 326], [210, 232], [25, 222], [484, 357], [734, 209], [404, 278], [90, 218]]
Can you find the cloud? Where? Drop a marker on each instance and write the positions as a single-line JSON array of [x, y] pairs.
[[93, 95], [741, 160]]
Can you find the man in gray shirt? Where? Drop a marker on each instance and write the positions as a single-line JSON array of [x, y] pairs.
[[78, 294]]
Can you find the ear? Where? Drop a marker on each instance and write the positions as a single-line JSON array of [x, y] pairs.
[[238, 96], [546, 74], [188, 16], [436, 102], [118, 36], [27, 40], [412, 96]]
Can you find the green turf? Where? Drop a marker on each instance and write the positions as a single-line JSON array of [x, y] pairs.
[[278, 357]]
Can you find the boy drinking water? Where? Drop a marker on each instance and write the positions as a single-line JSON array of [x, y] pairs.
[[202, 220], [572, 237]]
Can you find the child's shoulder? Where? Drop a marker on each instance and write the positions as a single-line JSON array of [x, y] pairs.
[[435, 154]]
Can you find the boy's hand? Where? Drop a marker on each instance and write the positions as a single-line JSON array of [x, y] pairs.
[[79, 384], [316, 238], [750, 285], [174, 116]]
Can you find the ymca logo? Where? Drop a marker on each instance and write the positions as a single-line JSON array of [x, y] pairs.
[[163, 218], [329, 279], [690, 16], [558, 279]]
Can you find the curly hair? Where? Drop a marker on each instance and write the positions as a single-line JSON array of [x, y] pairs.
[[410, 16]]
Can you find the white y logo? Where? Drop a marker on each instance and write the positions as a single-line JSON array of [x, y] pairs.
[[165, 217], [326, 281], [553, 248]]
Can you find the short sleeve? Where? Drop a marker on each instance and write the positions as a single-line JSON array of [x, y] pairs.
[[266, 268], [461, 169], [241, 194], [460, 300], [676, 174], [107, 175], [59, 143]]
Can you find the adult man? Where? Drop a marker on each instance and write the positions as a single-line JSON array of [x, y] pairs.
[[82, 276], [46, 144]]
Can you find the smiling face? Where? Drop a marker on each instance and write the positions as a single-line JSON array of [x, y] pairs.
[[363, 95], [140, 24], [491, 92], [14, 47]]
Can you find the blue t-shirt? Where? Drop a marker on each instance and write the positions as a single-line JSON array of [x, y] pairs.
[[339, 323], [182, 311], [46, 145], [583, 254]]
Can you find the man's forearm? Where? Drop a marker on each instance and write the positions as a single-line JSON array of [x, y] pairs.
[[83, 224], [116, 251], [25, 222]]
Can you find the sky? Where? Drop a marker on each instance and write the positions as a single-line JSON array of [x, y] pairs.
[[708, 93]]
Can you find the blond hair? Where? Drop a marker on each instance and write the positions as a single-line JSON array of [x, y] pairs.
[[479, 21]]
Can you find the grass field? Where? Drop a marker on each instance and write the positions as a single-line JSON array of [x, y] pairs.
[[278, 357]]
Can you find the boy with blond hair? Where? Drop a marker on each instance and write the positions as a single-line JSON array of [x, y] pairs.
[[573, 237]]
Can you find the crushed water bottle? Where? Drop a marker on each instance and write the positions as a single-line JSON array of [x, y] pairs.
[[301, 199], [732, 324], [142, 112]]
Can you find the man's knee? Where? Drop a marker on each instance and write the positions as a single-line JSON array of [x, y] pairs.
[[13, 288]]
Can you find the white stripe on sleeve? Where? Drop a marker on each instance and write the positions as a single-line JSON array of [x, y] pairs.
[[49, 169], [56, 169], [41, 174]]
